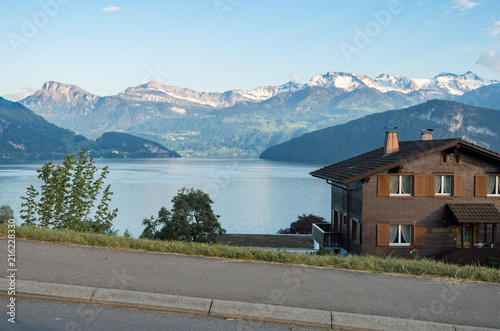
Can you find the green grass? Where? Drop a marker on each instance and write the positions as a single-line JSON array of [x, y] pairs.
[[422, 267]]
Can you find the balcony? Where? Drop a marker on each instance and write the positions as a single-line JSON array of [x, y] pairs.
[[323, 235]]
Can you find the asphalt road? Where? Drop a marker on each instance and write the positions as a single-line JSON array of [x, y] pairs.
[[41, 315], [409, 297]]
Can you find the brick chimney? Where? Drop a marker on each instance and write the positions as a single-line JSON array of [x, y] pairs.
[[426, 134], [391, 143]]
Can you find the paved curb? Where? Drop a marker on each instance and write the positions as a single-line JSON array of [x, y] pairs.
[[220, 308]]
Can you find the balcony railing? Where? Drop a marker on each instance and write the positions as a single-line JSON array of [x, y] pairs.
[[323, 235]]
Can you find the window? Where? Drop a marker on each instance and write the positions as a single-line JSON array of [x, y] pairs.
[[356, 231], [493, 186], [401, 185], [336, 221], [443, 185], [457, 158], [444, 158], [399, 235]]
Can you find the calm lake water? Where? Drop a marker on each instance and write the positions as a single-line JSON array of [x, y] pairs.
[[250, 195]]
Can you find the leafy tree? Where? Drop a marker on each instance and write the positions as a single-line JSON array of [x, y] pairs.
[[191, 219], [68, 195], [303, 224], [6, 213]]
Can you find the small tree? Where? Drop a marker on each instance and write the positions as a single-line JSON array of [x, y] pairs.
[[6, 213], [68, 195], [191, 219], [303, 224]]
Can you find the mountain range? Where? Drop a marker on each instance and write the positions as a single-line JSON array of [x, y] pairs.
[[242, 123], [23, 134], [449, 119]]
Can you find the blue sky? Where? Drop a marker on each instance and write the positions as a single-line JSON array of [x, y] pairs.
[[217, 45]]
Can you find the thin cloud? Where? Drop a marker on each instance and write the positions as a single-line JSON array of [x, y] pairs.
[[294, 77], [495, 29], [490, 60], [464, 49], [20, 94], [111, 9], [463, 5]]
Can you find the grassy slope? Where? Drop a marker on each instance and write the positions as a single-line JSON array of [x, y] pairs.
[[423, 267]]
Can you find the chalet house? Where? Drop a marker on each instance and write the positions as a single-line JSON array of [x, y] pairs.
[[440, 198]]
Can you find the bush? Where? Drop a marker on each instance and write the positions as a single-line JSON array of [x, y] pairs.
[[191, 219], [68, 195], [493, 262], [303, 225], [6, 213]]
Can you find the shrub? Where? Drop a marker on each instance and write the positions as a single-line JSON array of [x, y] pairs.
[[303, 224], [68, 195], [493, 262], [191, 219], [6, 213]]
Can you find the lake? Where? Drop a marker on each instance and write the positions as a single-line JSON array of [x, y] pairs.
[[250, 195]]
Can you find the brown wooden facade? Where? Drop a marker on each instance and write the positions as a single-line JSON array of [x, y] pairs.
[[419, 222]]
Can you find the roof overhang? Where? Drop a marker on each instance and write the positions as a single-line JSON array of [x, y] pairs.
[[475, 212], [400, 162]]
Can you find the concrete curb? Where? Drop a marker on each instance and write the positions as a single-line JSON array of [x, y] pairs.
[[221, 308]]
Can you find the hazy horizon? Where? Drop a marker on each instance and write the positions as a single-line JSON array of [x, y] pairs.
[[220, 45]]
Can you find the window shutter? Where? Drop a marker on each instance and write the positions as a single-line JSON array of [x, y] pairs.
[[430, 185], [384, 185], [458, 185], [382, 234], [481, 186], [419, 235], [420, 186]]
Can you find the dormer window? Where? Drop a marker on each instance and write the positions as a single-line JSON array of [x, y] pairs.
[[493, 188], [401, 185]]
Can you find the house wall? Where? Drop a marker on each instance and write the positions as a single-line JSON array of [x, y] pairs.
[[431, 212], [348, 202]]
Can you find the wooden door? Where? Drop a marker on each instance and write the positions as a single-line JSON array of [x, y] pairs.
[[466, 231]]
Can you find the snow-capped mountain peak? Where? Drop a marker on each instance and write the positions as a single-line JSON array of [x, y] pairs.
[[442, 85], [446, 83]]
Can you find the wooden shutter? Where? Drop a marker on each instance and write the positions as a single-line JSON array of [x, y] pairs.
[[419, 185], [384, 185], [430, 185], [458, 185], [481, 186], [419, 235], [382, 234], [424, 186]]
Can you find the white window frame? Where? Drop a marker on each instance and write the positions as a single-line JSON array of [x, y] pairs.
[[442, 185], [497, 187], [399, 235], [400, 185]]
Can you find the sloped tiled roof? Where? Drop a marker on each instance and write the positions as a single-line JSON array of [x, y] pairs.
[[374, 162], [475, 212], [367, 164]]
